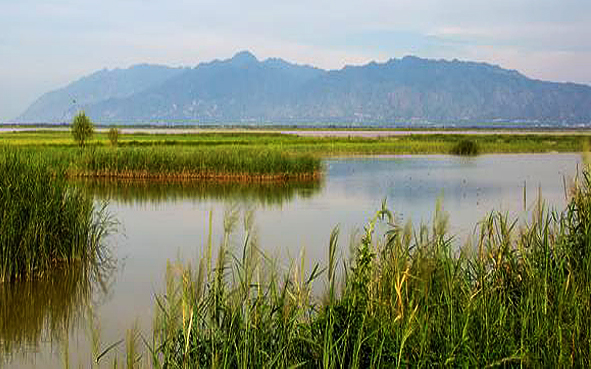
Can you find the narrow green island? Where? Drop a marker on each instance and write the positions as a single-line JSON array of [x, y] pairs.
[[252, 155], [322, 145]]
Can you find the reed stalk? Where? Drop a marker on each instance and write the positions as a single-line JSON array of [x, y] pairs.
[[515, 295]]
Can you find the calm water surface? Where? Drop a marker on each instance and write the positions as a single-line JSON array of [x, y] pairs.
[[162, 222]]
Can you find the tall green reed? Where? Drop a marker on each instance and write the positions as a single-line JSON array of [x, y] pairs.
[[193, 162], [45, 223], [514, 295]]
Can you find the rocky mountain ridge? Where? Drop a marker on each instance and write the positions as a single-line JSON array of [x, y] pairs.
[[245, 90]]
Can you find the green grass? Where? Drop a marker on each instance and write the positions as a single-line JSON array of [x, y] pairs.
[[516, 296], [193, 162], [222, 163], [432, 143], [44, 222], [404, 297], [466, 147], [53, 255], [253, 156]]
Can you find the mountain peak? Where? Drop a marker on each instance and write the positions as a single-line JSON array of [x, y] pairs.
[[244, 57], [244, 89]]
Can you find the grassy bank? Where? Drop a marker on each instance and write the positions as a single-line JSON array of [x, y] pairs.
[[515, 296], [219, 163], [234, 164], [434, 143], [44, 223], [255, 156]]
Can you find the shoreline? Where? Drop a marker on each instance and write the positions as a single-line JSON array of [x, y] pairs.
[[188, 177], [319, 132]]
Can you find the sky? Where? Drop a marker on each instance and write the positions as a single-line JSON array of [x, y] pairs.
[[46, 44]]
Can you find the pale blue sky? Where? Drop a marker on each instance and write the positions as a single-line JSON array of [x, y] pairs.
[[45, 44]]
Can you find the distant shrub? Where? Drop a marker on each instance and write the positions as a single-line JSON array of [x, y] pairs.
[[82, 128], [466, 148], [114, 136]]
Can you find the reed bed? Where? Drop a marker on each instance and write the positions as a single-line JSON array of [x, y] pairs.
[[226, 164], [516, 295], [45, 223]]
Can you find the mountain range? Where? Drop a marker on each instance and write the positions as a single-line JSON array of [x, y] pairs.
[[243, 89]]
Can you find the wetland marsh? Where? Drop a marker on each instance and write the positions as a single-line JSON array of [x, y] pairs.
[[166, 224]]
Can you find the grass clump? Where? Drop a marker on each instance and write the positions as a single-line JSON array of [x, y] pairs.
[[197, 163], [466, 147], [233, 311], [405, 297], [44, 223]]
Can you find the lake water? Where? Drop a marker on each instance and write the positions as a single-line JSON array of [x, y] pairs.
[[167, 221]]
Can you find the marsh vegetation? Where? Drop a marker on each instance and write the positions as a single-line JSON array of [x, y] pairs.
[[401, 296], [45, 223], [466, 147], [226, 163], [518, 295], [54, 255], [194, 163], [319, 146]]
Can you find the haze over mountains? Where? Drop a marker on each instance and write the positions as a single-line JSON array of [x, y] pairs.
[[243, 89]]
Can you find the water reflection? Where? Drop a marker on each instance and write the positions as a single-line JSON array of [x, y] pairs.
[[142, 191], [34, 312]]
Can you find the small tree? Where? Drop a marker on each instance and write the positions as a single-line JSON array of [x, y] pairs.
[[113, 136], [82, 128]]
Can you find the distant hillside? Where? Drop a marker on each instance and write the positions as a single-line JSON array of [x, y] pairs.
[[62, 104], [244, 89]]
